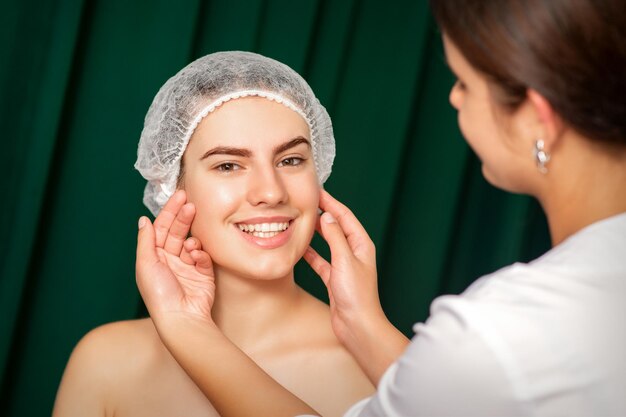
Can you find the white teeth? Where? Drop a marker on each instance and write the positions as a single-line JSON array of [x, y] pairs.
[[264, 230], [265, 234]]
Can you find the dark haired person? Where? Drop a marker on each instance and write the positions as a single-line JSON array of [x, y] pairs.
[[541, 100]]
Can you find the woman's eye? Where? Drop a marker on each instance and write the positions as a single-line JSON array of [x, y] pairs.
[[460, 85], [228, 167], [292, 161]]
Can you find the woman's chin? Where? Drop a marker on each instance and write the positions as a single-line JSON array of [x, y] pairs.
[[267, 272], [511, 183]]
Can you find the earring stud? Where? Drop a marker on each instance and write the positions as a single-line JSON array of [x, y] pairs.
[[541, 156]]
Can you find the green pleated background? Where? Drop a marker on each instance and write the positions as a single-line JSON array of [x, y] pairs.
[[76, 78]]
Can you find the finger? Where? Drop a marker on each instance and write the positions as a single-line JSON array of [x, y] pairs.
[[155, 280], [179, 229], [189, 246], [348, 221], [203, 261], [192, 243], [167, 215], [318, 264], [355, 233], [146, 247], [335, 237], [185, 256]]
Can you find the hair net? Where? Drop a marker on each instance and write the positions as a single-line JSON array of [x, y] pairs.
[[201, 87]]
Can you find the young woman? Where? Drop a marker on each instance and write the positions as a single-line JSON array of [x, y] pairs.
[[247, 145], [540, 99]]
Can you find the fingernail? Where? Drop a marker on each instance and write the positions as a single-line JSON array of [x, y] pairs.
[[142, 222], [328, 218]]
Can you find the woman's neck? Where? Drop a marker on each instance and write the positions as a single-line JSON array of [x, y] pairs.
[[248, 309], [588, 184]]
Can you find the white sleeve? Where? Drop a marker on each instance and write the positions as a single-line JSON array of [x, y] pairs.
[[446, 370]]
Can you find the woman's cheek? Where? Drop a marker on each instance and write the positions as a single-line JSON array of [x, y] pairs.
[[224, 194], [469, 135], [215, 203], [312, 198]]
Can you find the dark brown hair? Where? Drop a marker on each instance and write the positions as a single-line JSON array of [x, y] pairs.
[[573, 52]]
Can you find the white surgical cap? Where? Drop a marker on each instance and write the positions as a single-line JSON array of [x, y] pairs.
[[200, 88]]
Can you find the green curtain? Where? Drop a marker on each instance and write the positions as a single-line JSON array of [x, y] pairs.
[[76, 80]]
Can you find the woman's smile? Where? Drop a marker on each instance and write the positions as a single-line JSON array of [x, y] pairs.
[[267, 235], [266, 232]]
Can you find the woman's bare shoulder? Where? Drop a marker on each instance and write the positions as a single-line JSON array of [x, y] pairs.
[[119, 333], [114, 349], [120, 336], [105, 362]]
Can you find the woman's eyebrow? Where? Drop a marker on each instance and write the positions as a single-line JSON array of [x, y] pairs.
[[290, 144], [246, 153], [227, 150]]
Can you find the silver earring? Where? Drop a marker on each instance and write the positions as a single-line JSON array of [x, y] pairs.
[[541, 156]]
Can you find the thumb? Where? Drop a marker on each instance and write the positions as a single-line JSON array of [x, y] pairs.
[[146, 245], [335, 237]]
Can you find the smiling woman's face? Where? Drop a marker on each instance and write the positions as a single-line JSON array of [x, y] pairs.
[[249, 171]]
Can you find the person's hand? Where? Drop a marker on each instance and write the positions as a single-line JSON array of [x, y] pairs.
[[174, 275], [350, 277], [357, 317], [176, 281]]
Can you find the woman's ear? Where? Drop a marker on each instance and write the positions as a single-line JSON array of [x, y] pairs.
[[550, 124]]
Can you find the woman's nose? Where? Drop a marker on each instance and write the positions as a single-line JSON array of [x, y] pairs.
[[456, 96], [266, 187]]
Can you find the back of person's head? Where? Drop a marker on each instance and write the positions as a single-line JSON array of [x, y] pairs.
[[573, 52]]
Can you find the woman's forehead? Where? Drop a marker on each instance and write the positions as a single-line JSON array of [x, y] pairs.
[[250, 122]]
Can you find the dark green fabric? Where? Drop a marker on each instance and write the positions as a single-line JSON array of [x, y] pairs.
[[76, 80]]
